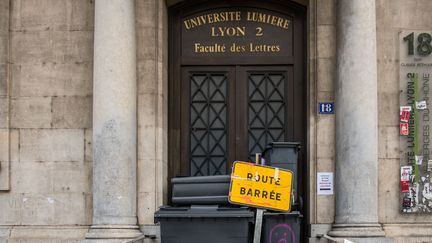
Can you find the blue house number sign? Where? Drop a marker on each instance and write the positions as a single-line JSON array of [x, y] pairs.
[[326, 108]]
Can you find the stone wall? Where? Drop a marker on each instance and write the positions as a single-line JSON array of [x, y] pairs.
[[392, 17], [325, 78], [48, 117], [321, 134], [152, 72], [46, 53], [4, 97]]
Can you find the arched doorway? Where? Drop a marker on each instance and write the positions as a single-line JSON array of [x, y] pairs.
[[236, 82]]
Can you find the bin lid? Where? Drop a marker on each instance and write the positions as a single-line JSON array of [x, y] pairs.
[[292, 213], [203, 211], [201, 179], [284, 144]]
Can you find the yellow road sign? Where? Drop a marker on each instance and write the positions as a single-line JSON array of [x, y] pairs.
[[261, 186]]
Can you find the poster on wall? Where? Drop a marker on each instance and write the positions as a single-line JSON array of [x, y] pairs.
[[325, 183], [415, 55]]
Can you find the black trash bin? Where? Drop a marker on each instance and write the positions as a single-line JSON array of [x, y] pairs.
[[281, 227], [205, 223], [200, 190], [284, 155]]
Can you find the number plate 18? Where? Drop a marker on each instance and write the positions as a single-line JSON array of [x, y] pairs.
[[326, 108], [420, 44]]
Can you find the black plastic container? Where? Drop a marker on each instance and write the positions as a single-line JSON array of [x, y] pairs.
[[281, 227], [284, 155], [200, 190], [210, 224]]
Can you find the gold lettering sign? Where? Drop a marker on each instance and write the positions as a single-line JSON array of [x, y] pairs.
[[252, 32], [212, 18], [236, 16]]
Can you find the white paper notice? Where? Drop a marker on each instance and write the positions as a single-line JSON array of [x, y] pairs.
[[421, 105], [419, 160], [325, 183]]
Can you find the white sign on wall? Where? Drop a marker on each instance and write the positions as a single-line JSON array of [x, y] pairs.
[[325, 183]]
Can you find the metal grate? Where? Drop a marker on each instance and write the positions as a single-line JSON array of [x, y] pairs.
[[208, 119], [266, 108]]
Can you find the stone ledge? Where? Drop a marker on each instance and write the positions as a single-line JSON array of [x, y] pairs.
[[356, 231], [408, 230], [113, 232], [355, 240], [47, 232]]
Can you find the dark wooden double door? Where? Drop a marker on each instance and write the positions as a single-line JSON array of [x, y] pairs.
[[228, 106], [230, 113]]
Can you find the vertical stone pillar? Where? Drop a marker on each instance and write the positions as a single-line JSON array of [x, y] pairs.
[[356, 179], [114, 122]]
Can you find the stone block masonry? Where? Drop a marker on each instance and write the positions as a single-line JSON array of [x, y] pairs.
[[52, 145], [46, 63]]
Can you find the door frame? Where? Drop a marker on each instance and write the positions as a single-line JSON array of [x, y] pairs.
[[176, 62]]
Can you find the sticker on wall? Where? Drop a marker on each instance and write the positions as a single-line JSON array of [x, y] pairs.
[[421, 105], [405, 113], [429, 165], [405, 178], [418, 159], [404, 129], [405, 108], [406, 202], [427, 192], [404, 186]]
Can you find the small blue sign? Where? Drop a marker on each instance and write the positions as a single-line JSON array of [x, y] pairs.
[[326, 107]]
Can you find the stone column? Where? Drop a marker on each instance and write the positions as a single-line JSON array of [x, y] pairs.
[[114, 122], [356, 179]]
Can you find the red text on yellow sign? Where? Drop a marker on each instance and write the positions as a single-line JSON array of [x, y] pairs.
[[261, 186]]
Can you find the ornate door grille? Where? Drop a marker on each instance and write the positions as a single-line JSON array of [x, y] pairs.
[[231, 114], [266, 108], [208, 123]]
